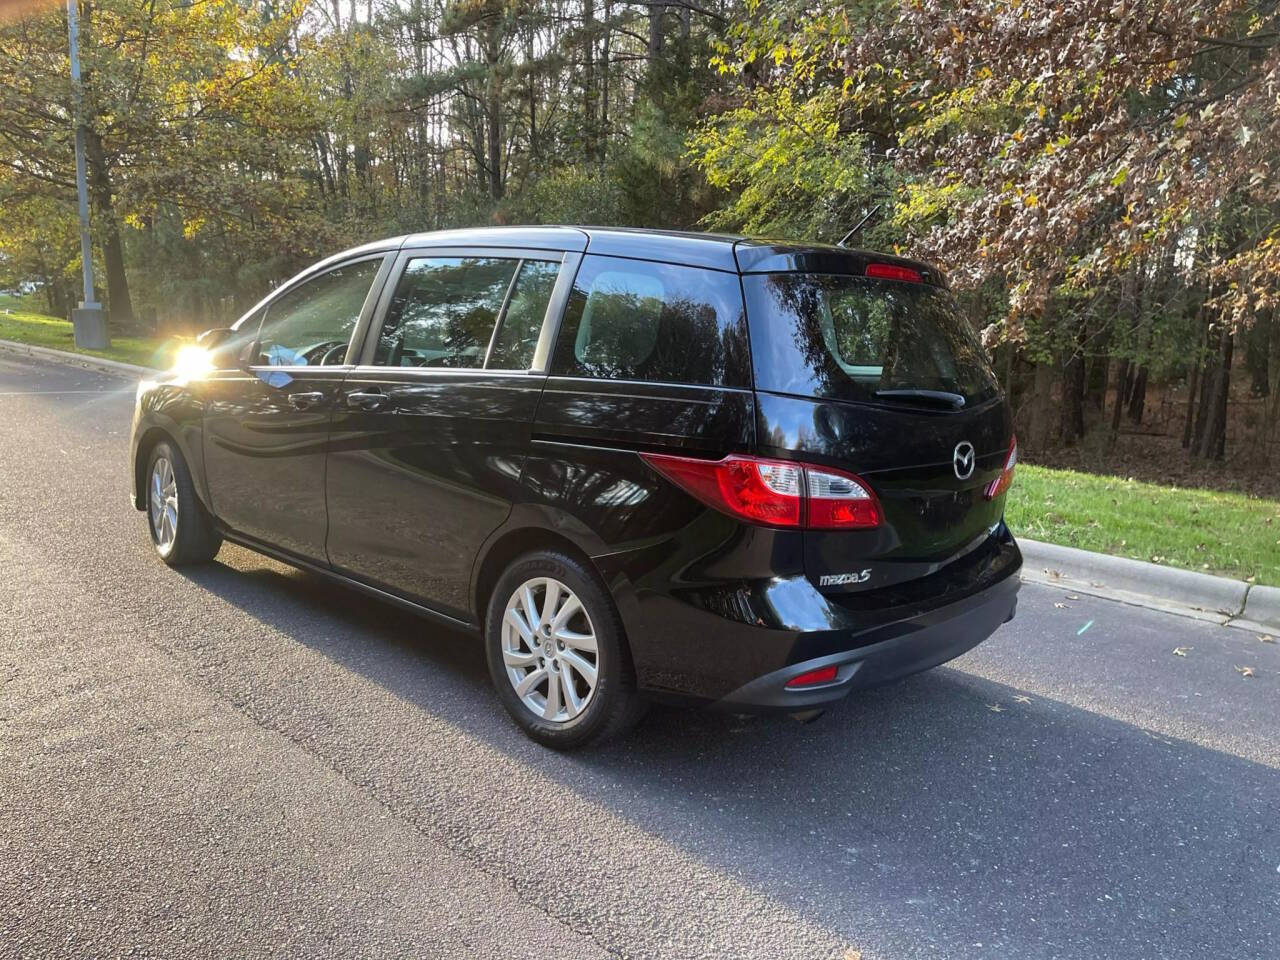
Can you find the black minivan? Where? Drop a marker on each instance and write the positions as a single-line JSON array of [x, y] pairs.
[[643, 465]]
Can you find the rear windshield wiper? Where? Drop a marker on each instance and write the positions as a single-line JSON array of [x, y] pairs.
[[936, 396]]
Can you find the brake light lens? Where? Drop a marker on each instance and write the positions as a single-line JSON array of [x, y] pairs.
[[839, 501], [1003, 482], [892, 271], [774, 493], [813, 677]]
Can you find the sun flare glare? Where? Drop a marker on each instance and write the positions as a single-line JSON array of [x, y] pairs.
[[192, 361]]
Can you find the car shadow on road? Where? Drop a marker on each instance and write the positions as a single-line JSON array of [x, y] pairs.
[[949, 809]]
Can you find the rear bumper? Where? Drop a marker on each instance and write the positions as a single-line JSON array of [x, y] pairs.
[[735, 644], [884, 654]]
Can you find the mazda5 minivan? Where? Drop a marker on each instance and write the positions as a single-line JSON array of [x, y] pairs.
[[640, 465]]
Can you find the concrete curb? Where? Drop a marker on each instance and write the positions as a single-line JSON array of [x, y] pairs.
[[1183, 592], [80, 359]]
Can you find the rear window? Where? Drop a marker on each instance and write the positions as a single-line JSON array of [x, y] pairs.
[[874, 341], [638, 320]]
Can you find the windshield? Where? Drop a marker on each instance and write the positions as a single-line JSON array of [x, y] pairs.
[[851, 338]]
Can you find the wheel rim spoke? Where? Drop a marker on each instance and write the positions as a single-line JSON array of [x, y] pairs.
[[552, 709], [571, 606], [531, 680], [516, 619], [530, 605], [578, 641], [585, 670], [549, 650], [550, 600], [513, 658], [573, 702]]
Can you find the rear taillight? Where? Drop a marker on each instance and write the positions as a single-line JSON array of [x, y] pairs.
[[774, 493], [1003, 482]]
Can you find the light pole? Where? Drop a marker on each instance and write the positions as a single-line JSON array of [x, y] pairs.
[[88, 322]]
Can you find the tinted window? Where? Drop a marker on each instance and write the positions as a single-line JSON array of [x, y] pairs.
[[522, 323], [850, 338], [635, 320], [312, 323], [443, 312]]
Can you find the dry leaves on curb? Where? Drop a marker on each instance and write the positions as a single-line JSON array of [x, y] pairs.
[[1266, 638]]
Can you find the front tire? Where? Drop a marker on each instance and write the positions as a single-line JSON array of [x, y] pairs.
[[180, 527], [557, 653]]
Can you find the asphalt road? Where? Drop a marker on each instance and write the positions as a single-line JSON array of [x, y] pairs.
[[245, 760]]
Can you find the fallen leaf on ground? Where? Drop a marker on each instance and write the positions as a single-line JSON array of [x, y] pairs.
[[1180, 651], [1072, 596], [1060, 605], [1266, 638], [1021, 699], [1245, 671], [995, 708]]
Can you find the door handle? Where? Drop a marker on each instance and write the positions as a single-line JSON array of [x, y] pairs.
[[304, 401], [368, 400]]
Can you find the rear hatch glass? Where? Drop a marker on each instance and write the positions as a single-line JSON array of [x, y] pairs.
[[885, 379], [873, 341]]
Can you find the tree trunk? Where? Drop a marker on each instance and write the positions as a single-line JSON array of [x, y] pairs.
[[1073, 391], [1138, 395], [119, 303], [605, 52], [1122, 383], [1189, 421], [1041, 427], [1212, 440], [590, 111], [656, 13], [493, 120], [1129, 308]]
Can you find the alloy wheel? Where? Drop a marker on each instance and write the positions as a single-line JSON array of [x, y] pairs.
[[164, 504], [549, 650]]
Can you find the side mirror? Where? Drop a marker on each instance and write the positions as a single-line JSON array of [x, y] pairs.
[[213, 339], [221, 345]]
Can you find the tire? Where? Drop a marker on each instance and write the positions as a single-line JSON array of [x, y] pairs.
[[181, 528], [603, 711]]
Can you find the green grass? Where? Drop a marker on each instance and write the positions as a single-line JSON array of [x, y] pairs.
[[41, 331], [1224, 533]]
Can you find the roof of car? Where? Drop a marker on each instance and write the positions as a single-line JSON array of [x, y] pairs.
[[717, 251]]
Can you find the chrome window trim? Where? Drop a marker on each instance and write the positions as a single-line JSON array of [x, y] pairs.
[[554, 379]]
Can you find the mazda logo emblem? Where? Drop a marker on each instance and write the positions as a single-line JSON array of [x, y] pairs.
[[963, 460]]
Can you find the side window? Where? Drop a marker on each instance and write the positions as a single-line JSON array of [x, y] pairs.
[[443, 312], [312, 323], [517, 336], [636, 320]]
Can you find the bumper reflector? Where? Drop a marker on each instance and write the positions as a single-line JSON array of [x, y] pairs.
[[813, 677]]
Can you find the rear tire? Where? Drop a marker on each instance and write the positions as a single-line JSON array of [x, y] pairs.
[[557, 653], [180, 526]]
